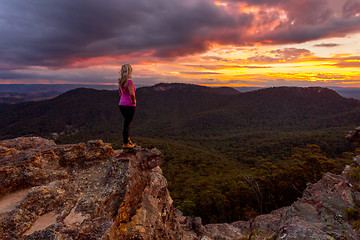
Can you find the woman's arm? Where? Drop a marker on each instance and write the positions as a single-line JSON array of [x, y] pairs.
[[119, 91], [132, 92]]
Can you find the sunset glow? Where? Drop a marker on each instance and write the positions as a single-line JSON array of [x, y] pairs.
[[213, 43]]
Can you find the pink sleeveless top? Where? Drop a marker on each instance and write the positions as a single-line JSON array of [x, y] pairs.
[[125, 99]]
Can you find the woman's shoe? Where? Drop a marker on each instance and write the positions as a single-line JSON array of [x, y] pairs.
[[128, 145], [130, 142]]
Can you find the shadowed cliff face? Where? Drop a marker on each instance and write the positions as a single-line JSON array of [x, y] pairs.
[[83, 191], [90, 191]]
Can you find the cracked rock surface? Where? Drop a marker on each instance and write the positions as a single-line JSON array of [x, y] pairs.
[[82, 191]]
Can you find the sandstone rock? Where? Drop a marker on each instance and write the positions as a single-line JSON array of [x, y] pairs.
[[83, 191], [357, 160], [261, 227], [226, 231], [22, 143], [319, 214], [353, 136], [192, 226]]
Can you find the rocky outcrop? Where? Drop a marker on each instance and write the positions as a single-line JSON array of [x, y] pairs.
[[90, 191], [83, 191], [354, 135], [321, 213]]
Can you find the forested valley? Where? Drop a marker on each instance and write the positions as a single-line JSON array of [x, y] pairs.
[[227, 155]]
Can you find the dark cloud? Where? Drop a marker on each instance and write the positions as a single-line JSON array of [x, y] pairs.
[[58, 33], [308, 12], [306, 20], [200, 73], [9, 75], [290, 53], [216, 58], [220, 66], [51, 33], [254, 66], [302, 12], [348, 62], [327, 45], [280, 55], [351, 8], [53, 77]]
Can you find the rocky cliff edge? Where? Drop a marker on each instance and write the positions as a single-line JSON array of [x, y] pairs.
[[90, 191], [83, 191]]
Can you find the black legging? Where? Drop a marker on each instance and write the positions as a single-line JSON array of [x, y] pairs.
[[128, 113]]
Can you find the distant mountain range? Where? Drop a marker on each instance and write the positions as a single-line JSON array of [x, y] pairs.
[[41, 88], [17, 93], [349, 92], [181, 110]]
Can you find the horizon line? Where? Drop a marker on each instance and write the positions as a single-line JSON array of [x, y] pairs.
[[148, 85]]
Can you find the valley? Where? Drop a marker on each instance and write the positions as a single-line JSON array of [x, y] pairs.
[[227, 155]]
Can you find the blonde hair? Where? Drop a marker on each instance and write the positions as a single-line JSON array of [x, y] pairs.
[[125, 75]]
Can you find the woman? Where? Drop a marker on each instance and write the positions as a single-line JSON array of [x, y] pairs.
[[127, 102]]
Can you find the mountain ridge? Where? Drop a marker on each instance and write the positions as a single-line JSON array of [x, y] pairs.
[[15, 93], [176, 109]]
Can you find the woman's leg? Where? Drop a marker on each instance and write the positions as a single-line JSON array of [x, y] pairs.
[[128, 113]]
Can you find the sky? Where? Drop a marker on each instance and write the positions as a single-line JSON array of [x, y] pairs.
[[255, 43]]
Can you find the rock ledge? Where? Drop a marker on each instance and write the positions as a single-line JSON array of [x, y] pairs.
[[83, 191]]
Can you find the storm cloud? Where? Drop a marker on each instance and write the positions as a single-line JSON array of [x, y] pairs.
[[52, 33], [58, 33], [328, 45]]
